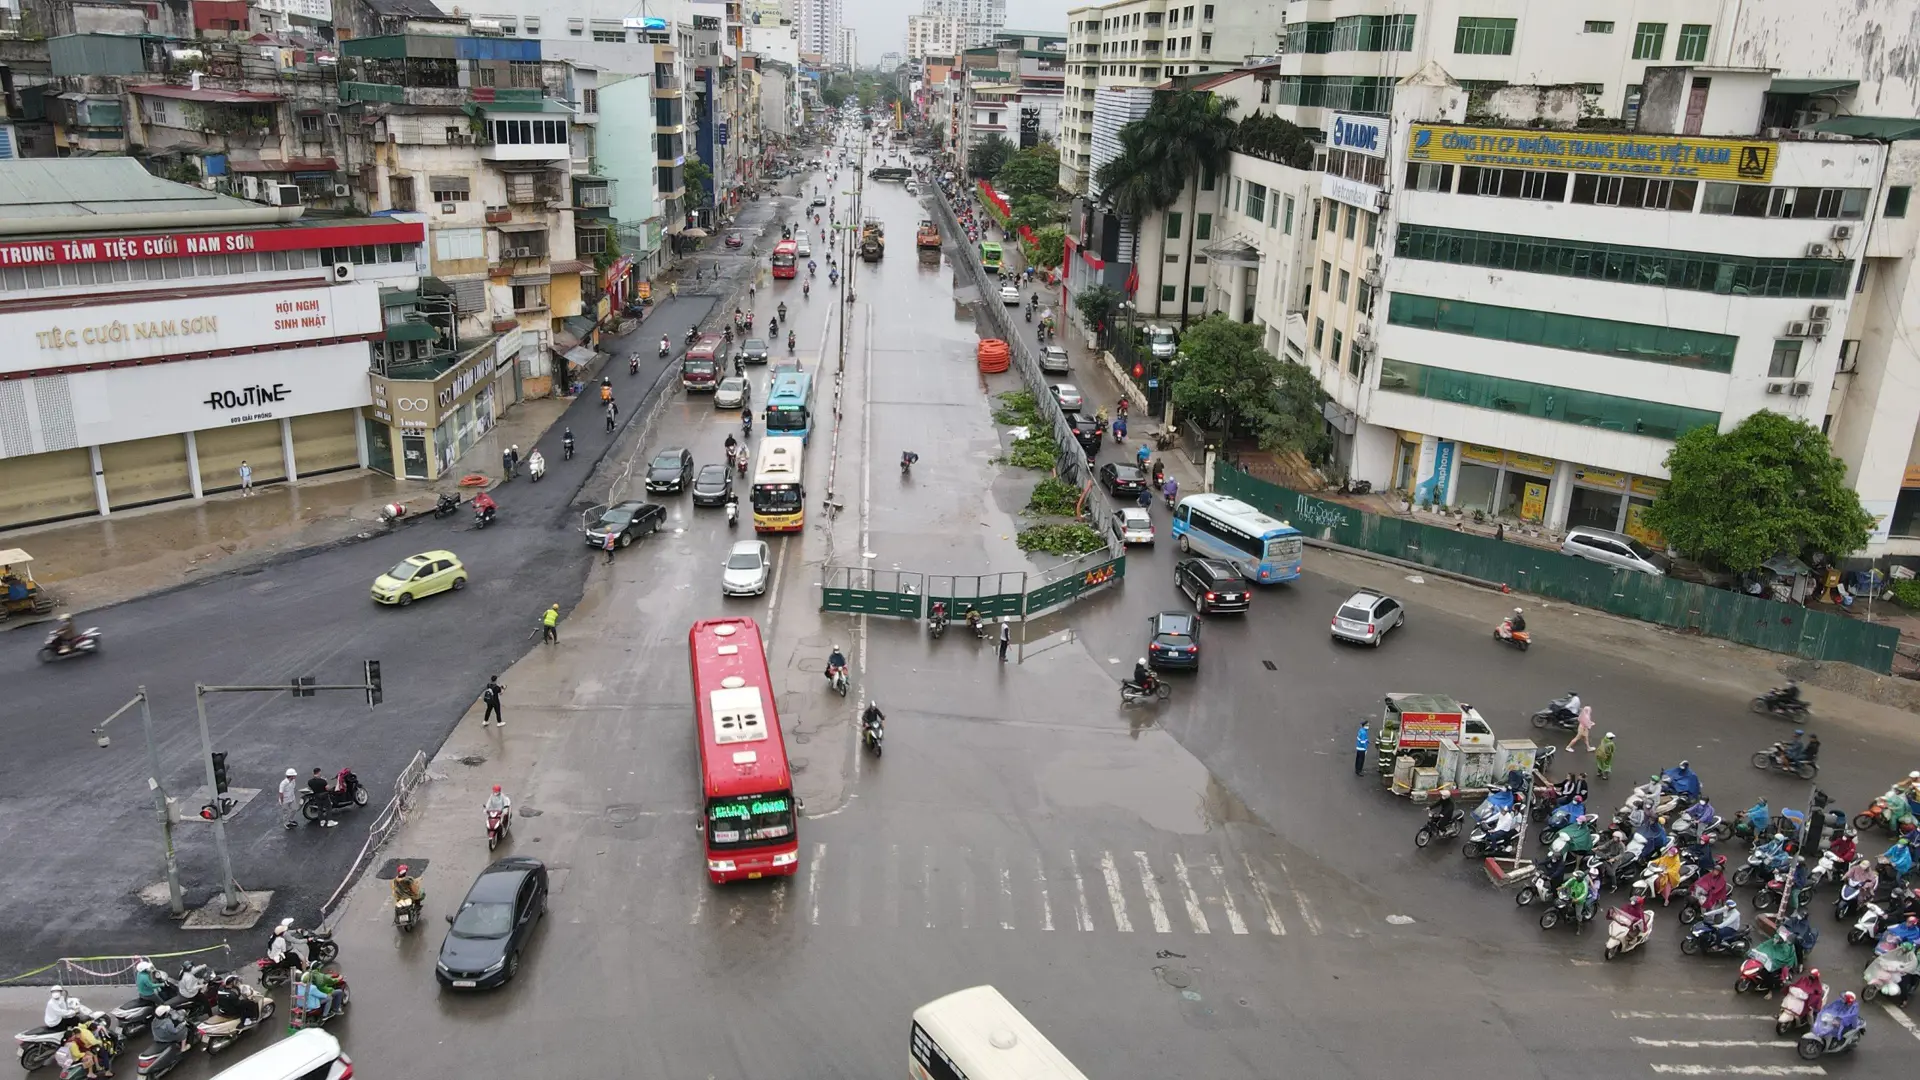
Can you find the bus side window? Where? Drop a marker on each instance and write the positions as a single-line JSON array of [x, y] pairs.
[[1183, 515]]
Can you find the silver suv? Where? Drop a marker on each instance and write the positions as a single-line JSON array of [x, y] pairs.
[[1614, 549]]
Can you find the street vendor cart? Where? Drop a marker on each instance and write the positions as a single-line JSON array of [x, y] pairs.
[[1429, 741]]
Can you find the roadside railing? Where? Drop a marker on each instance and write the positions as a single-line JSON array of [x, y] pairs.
[[384, 825]]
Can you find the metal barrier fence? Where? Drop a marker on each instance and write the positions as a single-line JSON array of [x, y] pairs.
[[1683, 605], [111, 970], [383, 827]]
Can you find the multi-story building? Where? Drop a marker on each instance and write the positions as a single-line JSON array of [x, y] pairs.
[[846, 47], [817, 19], [165, 334], [934, 35], [467, 131], [979, 20]]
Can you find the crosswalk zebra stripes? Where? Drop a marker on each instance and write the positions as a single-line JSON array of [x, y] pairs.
[[979, 889]]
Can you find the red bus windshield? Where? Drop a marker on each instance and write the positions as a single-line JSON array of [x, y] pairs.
[[749, 814], [786, 258]]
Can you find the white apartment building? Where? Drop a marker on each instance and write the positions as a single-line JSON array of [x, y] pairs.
[[817, 19], [979, 20], [933, 35], [1145, 43], [846, 47]]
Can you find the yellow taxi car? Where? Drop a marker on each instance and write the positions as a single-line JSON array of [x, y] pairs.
[[420, 575]]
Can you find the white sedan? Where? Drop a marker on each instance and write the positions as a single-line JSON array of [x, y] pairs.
[[1009, 295], [747, 569]]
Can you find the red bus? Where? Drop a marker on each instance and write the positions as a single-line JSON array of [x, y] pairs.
[[786, 259], [749, 817]]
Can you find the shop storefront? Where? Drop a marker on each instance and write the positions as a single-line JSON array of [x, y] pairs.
[[419, 429], [121, 405], [1502, 483]]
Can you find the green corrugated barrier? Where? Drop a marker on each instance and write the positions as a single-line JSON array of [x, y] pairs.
[[1683, 605]]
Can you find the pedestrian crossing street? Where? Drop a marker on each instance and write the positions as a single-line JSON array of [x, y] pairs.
[[934, 887]]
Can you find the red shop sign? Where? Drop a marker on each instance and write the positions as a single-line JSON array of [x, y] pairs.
[[55, 251]]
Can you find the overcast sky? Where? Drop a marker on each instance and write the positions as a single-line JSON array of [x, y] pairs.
[[882, 24]]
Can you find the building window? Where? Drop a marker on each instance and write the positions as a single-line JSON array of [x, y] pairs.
[[1319, 332], [1207, 179], [1897, 201], [529, 297], [1547, 402], [1692, 42], [400, 192], [1699, 349], [1287, 215], [1203, 227], [1727, 275], [590, 241], [309, 125], [1513, 183], [1338, 344], [1345, 281], [1313, 230], [533, 26], [1596, 27], [1236, 193], [1365, 298], [1753, 200], [612, 37], [1206, 13], [457, 244], [1426, 176], [1373, 229], [1785, 362], [1256, 201], [1648, 39], [1169, 293], [1197, 294], [449, 188], [1173, 226], [1484, 37], [1353, 214], [1326, 277], [590, 101]]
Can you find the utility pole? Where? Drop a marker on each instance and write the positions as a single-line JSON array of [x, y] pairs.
[[176, 901]]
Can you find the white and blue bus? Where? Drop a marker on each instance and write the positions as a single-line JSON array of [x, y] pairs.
[[789, 408], [1262, 548]]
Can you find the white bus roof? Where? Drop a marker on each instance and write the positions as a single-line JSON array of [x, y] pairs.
[[780, 460], [991, 1038], [1226, 504]]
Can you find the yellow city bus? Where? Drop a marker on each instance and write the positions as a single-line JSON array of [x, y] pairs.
[[779, 494]]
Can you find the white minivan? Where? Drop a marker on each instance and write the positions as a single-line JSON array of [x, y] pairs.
[[308, 1054]]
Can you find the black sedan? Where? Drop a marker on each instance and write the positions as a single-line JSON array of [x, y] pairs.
[[493, 924], [627, 521], [754, 351], [1173, 640], [714, 485], [1087, 433], [670, 470], [1121, 479]]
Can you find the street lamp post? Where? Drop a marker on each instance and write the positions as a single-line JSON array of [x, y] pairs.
[[175, 899]]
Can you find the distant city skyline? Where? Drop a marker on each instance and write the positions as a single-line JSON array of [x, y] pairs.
[[882, 24]]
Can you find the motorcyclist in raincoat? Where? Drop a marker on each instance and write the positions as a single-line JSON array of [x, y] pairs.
[[1682, 781]]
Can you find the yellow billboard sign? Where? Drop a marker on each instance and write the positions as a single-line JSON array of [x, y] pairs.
[[1616, 153]]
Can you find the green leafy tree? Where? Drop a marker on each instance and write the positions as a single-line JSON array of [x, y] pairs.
[[1097, 305], [1768, 487], [1189, 135], [696, 174], [1132, 186], [1033, 171], [867, 94], [1234, 386], [1266, 136], [606, 258], [1034, 211], [989, 153], [1049, 247]]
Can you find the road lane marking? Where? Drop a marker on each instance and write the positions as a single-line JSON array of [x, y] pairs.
[[1902, 1018], [779, 902], [1195, 914], [1112, 874], [966, 888], [813, 883], [1299, 899], [1082, 914], [890, 895], [851, 880], [1161, 924], [1274, 925], [1747, 1017], [699, 905], [1006, 890], [926, 884], [1740, 1069], [1234, 921], [1715, 1044], [1046, 904]]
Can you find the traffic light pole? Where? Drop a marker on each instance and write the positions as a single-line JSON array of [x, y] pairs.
[[176, 900]]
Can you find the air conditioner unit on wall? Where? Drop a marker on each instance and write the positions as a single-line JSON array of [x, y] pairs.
[[1820, 311], [1800, 389], [281, 194], [1842, 232], [342, 191], [1796, 329], [1776, 386], [343, 271], [1817, 328], [1816, 251]]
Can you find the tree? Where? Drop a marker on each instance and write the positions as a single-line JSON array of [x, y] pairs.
[[867, 94], [1132, 186], [1235, 386], [835, 91], [1033, 211], [989, 154], [1097, 305], [1189, 135], [1033, 171], [1049, 247], [696, 174], [1266, 136], [1768, 487]]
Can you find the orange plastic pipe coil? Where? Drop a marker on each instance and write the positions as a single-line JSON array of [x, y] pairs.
[[474, 480], [994, 355]]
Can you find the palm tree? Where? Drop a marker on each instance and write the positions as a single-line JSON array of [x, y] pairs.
[[1188, 134], [1132, 186]]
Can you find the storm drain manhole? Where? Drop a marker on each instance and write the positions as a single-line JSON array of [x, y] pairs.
[[623, 813], [471, 760], [528, 811], [1176, 978], [797, 764], [802, 738]]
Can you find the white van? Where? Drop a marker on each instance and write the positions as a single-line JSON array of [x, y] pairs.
[[308, 1054], [1160, 340]]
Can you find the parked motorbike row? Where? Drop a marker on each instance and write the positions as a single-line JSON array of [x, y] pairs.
[[1659, 845]]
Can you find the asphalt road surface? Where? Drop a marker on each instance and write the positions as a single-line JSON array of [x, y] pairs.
[[77, 829], [1199, 889]]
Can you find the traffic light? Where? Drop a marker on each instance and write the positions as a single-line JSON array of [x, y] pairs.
[[374, 696], [220, 772]]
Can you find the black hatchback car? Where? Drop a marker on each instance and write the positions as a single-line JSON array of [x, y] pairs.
[[670, 470], [1122, 479], [1088, 434], [491, 928], [1212, 585], [1173, 640], [714, 486]]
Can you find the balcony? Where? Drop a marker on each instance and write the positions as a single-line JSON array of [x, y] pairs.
[[535, 188], [592, 196], [666, 86]]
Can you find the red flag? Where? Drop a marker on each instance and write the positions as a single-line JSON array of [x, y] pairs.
[[1133, 281]]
